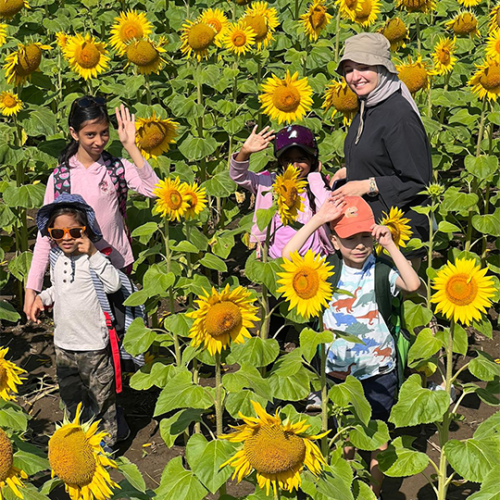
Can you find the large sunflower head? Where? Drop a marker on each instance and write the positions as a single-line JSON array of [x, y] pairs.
[[414, 74], [196, 38], [486, 80], [304, 283], [196, 197], [348, 8], [398, 225], [238, 39], [9, 8], [172, 201], [146, 55], [417, 5], [366, 13], [493, 45], [287, 99], [464, 24], [77, 458], [463, 292], [9, 377], [218, 20], [86, 56], [10, 104], [341, 98], [277, 450], [10, 476], [263, 21], [3, 34], [469, 3], [221, 318], [154, 135], [494, 19], [288, 189], [131, 25], [23, 62], [396, 32], [315, 19], [443, 56]]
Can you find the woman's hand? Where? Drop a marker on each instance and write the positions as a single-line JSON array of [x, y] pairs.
[[256, 142], [126, 126], [340, 174], [352, 188]]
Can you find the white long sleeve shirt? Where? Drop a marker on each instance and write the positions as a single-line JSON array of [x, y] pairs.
[[79, 322]]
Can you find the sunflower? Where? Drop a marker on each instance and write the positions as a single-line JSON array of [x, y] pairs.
[[131, 25], [417, 5], [9, 8], [263, 20], [172, 201], [366, 15], [315, 19], [494, 19], [238, 39], [304, 283], [463, 24], [288, 189], [62, 39], [493, 45], [340, 97], [25, 60], [3, 34], [196, 38], [77, 458], [241, 2], [86, 56], [9, 377], [398, 225], [276, 450], [221, 318], [414, 74], [443, 56], [154, 135], [146, 55], [348, 8], [218, 20], [196, 198], [9, 475], [287, 99], [396, 32], [10, 104], [463, 292], [486, 81], [469, 3]]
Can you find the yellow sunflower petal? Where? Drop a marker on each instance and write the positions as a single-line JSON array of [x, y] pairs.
[[238, 39], [315, 19], [19, 65], [9, 377], [129, 26], [486, 81], [263, 20], [86, 56], [366, 13], [398, 225], [172, 201], [417, 5], [396, 32], [464, 24], [443, 56], [288, 190], [341, 98], [196, 39], [146, 55], [154, 135]]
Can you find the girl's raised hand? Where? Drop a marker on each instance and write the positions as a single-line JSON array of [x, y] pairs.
[[126, 126], [257, 141]]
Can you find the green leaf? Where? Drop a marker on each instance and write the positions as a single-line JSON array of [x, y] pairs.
[[157, 280], [425, 346], [241, 401], [490, 427], [14, 420], [265, 216], [183, 246], [138, 337], [223, 245], [178, 323], [156, 374], [484, 367], [310, 340], [488, 224], [250, 378], [288, 364], [137, 298], [196, 148], [401, 460], [362, 491], [456, 201], [369, 437], [255, 351], [30, 463], [460, 340], [448, 227], [179, 483], [131, 473], [291, 388], [8, 313], [489, 487], [147, 229], [40, 121], [482, 166], [417, 405], [212, 262], [220, 185], [350, 393], [171, 428], [415, 315], [254, 269], [29, 196]]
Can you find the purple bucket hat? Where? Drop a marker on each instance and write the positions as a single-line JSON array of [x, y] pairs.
[[295, 136]]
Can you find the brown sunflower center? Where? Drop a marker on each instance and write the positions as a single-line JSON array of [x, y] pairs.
[[192, 200], [318, 17], [465, 24], [29, 59], [258, 24], [131, 30], [71, 456], [173, 199], [290, 192], [8, 102], [412, 5], [239, 39], [306, 283], [222, 318], [345, 101], [395, 30], [461, 289], [351, 4], [271, 450], [200, 36], [444, 56], [142, 53], [490, 79], [286, 98], [152, 136], [3, 370], [6, 459], [366, 9], [9, 8], [215, 23], [88, 56], [415, 77], [497, 18], [497, 47]]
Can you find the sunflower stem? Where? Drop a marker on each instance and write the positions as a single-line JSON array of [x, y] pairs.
[[429, 256], [445, 88], [259, 78], [196, 380], [337, 36], [218, 395], [417, 27], [266, 316], [148, 90], [324, 394], [90, 90], [481, 128], [296, 10]]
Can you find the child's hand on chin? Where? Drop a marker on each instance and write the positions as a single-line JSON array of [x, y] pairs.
[[86, 246]]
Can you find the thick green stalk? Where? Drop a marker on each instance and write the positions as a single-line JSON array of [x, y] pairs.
[[259, 78], [296, 10], [324, 399], [265, 316], [445, 88], [148, 90], [481, 128], [196, 380], [417, 27], [203, 167], [429, 257], [218, 395], [337, 36]]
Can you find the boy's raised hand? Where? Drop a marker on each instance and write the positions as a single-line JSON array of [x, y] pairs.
[[382, 235], [257, 141], [126, 126], [86, 246], [331, 210]]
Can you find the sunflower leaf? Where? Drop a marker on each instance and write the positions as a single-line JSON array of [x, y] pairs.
[[255, 351], [401, 460], [426, 345], [350, 393], [484, 367], [241, 401], [171, 428], [179, 483]]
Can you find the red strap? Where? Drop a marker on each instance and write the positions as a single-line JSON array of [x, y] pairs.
[[115, 351]]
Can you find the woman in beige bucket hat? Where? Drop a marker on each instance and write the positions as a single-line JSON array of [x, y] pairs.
[[387, 154]]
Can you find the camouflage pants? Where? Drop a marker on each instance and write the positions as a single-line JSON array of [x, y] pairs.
[[88, 377]]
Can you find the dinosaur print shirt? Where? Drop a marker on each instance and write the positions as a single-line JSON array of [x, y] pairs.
[[359, 315]]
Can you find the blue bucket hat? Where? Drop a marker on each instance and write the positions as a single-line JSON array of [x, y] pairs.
[[71, 201]]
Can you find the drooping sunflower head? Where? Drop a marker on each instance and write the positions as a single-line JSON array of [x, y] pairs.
[[172, 201], [146, 55], [398, 225], [348, 8], [494, 19], [463, 291], [366, 13], [486, 81], [77, 458], [10, 476], [131, 25], [277, 450], [238, 39], [341, 98], [396, 32], [9, 8], [3, 34], [304, 283], [62, 39], [443, 56], [315, 19], [287, 99], [154, 135], [23, 62], [263, 21], [464, 24], [86, 56], [196, 39], [222, 317], [9, 377], [414, 74], [196, 198], [493, 45], [288, 189], [218, 20], [417, 5], [10, 104]]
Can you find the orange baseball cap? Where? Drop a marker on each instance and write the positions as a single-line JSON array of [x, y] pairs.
[[357, 218]]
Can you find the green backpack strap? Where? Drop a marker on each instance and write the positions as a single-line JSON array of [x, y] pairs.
[[335, 261]]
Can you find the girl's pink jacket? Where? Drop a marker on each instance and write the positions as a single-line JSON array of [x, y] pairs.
[[96, 188], [261, 186]]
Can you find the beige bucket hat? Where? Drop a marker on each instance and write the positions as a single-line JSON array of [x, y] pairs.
[[372, 49]]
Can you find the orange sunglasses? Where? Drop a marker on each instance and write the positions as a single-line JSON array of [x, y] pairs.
[[60, 233]]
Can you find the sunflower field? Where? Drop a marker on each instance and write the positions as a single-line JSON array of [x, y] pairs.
[[199, 76]]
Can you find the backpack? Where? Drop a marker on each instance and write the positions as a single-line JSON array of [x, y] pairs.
[[118, 319], [388, 306]]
